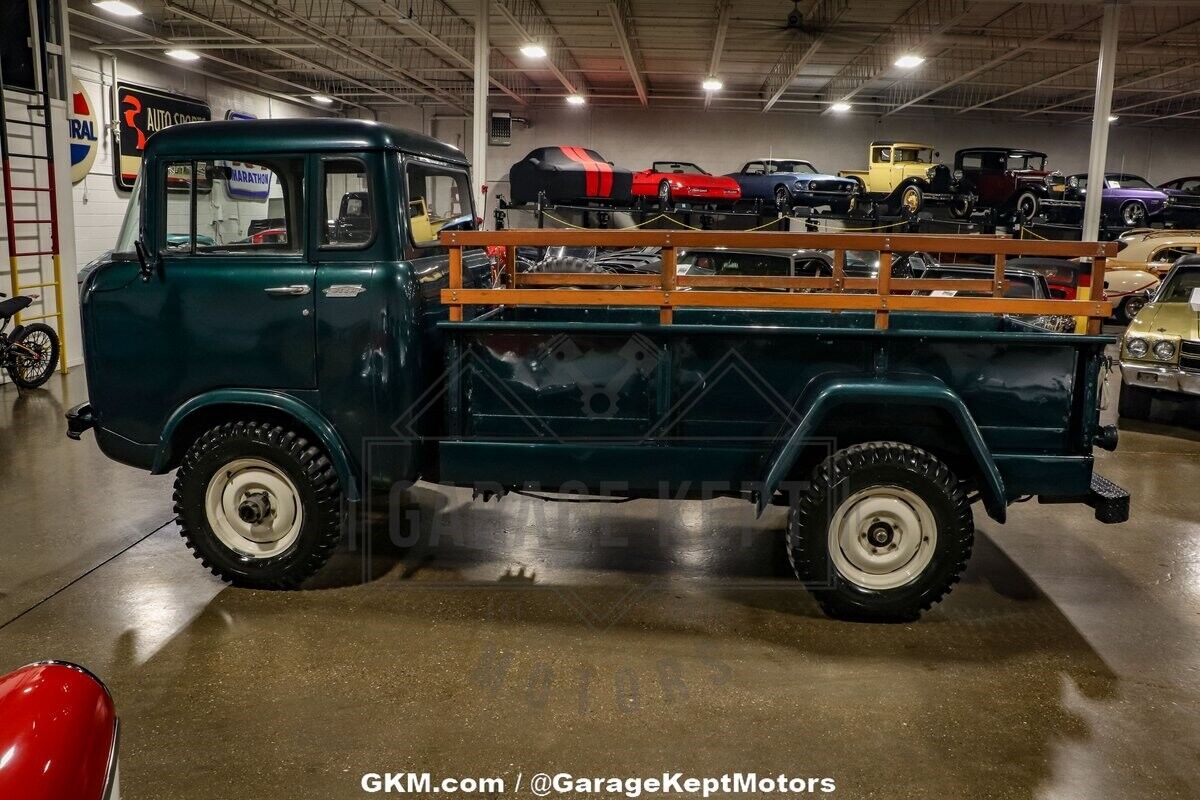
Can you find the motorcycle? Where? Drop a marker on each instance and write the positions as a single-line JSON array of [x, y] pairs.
[[30, 352]]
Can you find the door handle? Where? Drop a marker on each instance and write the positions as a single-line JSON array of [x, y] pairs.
[[294, 289]]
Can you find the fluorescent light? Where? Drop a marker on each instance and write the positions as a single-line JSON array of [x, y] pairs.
[[840, 108], [533, 50], [323, 99], [1113, 118], [909, 61], [576, 100], [180, 54], [119, 8], [712, 85]]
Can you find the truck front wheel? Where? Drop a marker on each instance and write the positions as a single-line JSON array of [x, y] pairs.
[[912, 199], [882, 533], [258, 504]]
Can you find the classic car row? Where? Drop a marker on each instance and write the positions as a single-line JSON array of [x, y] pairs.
[[900, 177]]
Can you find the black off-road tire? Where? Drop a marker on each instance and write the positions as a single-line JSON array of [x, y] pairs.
[[19, 367], [1134, 402], [860, 467], [305, 464]]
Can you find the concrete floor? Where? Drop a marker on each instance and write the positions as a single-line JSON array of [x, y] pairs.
[[524, 637]]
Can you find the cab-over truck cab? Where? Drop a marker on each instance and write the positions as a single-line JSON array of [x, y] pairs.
[[200, 339]]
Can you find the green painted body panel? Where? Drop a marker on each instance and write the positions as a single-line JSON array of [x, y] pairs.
[[603, 399]]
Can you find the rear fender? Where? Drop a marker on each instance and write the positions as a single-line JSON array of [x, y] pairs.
[[825, 394], [303, 413]]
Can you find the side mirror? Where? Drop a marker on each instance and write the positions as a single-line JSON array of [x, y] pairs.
[[1194, 300]]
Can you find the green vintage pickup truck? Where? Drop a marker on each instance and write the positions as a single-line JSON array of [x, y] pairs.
[[288, 368]]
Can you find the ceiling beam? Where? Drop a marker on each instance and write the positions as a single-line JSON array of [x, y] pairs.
[[228, 31], [714, 60], [622, 20], [165, 43], [437, 29], [923, 22], [530, 22], [297, 24], [801, 50]]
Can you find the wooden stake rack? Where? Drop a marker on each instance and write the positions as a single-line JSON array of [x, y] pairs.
[[668, 291]]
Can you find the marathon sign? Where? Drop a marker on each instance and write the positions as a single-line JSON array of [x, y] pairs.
[[246, 181], [142, 112], [82, 131]]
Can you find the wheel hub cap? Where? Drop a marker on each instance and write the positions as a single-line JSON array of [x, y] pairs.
[[254, 508], [882, 537]]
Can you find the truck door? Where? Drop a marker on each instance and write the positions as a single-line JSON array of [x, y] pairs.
[[237, 290], [880, 169]]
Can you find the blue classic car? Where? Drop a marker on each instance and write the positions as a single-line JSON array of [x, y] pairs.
[[790, 182], [1128, 199]]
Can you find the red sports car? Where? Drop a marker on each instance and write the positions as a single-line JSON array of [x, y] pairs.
[[678, 180]]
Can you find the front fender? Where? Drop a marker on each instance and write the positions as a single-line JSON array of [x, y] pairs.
[[825, 394], [261, 398]]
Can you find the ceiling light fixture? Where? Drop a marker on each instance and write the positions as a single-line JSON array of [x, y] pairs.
[[575, 100], [1113, 118], [840, 108], [909, 61], [533, 50], [180, 54], [118, 8], [712, 85], [323, 99]]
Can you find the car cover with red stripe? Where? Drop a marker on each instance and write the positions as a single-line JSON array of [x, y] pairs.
[[569, 175]]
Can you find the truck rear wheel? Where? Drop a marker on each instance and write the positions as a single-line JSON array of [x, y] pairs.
[[258, 504], [883, 532]]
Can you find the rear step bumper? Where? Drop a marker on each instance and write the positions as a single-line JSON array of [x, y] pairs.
[[1110, 501], [80, 419]]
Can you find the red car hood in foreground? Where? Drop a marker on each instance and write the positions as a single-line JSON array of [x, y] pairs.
[[58, 734]]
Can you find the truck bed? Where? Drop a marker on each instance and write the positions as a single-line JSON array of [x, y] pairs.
[[548, 397]]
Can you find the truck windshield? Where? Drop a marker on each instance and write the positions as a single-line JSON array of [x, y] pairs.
[[1178, 289], [130, 225]]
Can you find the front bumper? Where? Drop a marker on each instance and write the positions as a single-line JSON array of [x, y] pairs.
[[1169, 378]]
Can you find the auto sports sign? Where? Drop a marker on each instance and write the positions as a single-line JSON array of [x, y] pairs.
[[141, 112], [82, 132]]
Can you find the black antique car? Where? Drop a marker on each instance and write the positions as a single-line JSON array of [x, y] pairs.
[[1007, 180], [569, 175], [1183, 202]]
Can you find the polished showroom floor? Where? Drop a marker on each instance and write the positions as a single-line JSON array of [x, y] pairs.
[[519, 637]]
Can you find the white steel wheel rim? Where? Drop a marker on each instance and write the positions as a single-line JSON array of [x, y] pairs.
[[910, 199], [261, 486], [882, 537]]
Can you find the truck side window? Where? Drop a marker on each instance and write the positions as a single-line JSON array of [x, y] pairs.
[[346, 204], [438, 198], [224, 206]]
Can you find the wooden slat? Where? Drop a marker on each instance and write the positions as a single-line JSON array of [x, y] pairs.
[[666, 315], [894, 242], [456, 282], [884, 289], [775, 300], [510, 264], [584, 279]]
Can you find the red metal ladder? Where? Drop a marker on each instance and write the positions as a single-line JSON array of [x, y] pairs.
[[30, 195]]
